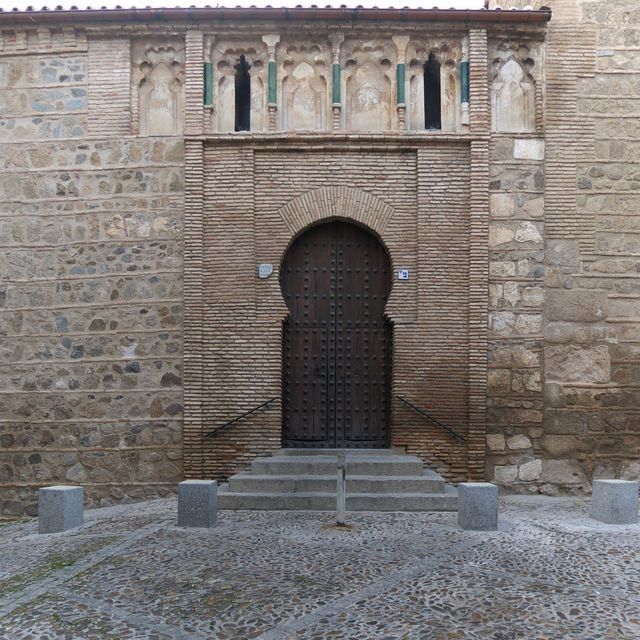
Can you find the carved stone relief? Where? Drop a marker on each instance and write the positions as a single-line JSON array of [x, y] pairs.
[[305, 86], [448, 53], [157, 86], [225, 56], [515, 89], [368, 85]]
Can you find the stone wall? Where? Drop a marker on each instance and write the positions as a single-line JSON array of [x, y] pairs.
[[516, 299], [586, 422], [517, 218], [91, 294]]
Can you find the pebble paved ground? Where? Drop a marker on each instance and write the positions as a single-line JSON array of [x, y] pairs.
[[550, 572]]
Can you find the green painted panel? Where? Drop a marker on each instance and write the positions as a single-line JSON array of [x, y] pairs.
[[208, 83], [336, 83], [272, 82], [464, 81], [400, 83]]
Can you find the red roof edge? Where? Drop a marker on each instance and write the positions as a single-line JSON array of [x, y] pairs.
[[298, 13]]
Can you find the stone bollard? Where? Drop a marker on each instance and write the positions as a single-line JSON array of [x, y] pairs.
[[60, 508], [197, 503], [615, 501], [478, 506]]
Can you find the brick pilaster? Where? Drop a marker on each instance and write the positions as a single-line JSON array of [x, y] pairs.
[[569, 134], [479, 114], [193, 330], [193, 84], [478, 306]]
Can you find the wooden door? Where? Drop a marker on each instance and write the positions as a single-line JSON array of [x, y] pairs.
[[335, 279]]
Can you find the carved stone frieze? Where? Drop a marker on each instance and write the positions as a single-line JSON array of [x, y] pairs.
[[448, 53], [157, 86], [369, 84], [225, 56], [516, 85], [305, 89]]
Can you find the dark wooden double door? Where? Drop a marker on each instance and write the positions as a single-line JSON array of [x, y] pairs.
[[336, 278]]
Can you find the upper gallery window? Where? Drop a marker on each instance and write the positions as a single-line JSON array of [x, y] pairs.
[[243, 95], [432, 103]]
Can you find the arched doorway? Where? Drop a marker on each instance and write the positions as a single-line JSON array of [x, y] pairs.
[[335, 279]]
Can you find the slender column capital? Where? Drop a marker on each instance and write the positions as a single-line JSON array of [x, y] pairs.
[[401, 43], [271, 40], [209, 41], [336, 40]]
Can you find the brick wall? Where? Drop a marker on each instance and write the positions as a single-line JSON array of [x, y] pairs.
[[257, 199]]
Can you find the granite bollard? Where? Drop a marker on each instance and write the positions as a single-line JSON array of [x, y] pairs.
[[197, 503], [478, 506], [60, 508], [615, 501]]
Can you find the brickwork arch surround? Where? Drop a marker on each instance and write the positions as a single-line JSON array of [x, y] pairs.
[[336, 202], [351, 205]]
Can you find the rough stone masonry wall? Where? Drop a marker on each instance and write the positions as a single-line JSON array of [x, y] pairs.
[[516, 298], [91, 294], [593, 333], [589, 424]]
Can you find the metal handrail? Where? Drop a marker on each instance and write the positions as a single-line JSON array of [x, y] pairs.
[[429, 417], [244, 415]]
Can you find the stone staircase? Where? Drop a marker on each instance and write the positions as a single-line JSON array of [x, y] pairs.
[[303, 479]]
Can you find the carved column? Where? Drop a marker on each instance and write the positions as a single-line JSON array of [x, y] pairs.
[[401, 43], [336, 39], [464, 82], [207, 72], [272, 92]]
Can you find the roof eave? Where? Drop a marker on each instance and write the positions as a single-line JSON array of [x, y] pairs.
[[194, 14]]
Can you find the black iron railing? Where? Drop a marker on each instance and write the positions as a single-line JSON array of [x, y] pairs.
[[430, 417], [264, 405]]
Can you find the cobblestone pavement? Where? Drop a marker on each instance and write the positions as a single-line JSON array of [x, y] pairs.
[[550, 572]]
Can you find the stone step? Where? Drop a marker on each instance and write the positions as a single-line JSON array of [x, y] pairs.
[[325, 465], [428, 482], [334, 452], [320, 501]]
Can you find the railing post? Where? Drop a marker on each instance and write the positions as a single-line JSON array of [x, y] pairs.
[[341, 490]]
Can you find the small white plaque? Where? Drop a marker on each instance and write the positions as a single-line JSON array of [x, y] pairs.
[[265, 270], [403, 274]]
